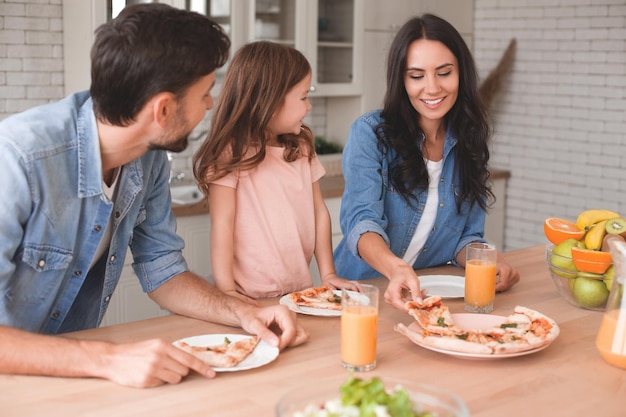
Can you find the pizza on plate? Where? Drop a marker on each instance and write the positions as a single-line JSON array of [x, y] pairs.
[[317, 297], [223, 355], [523, 330]]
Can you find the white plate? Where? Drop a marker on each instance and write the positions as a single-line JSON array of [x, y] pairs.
[[470, 321], [286, 300], [261, 355], [445, 286]]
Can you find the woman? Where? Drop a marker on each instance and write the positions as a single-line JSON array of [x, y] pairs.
[[416, 171]]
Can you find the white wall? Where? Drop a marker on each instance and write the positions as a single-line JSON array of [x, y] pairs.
[[31, 54], [560, 126]]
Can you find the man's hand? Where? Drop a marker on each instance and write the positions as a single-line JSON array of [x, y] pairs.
[[148, 364], [276, 325]]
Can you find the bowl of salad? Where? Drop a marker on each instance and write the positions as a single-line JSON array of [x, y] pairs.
[[374, 397]]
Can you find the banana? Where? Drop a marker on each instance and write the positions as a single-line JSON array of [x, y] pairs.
[[588, 218], [595, 235]]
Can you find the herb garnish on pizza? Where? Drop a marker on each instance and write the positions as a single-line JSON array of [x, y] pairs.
[[521, 331]]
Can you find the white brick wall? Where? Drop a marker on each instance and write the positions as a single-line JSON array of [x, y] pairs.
[[31, 54], [560, 125]]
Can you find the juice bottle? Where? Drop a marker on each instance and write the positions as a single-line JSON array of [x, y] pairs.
[[611, 339]]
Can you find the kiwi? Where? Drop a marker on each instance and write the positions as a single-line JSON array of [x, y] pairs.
[[616, 226]]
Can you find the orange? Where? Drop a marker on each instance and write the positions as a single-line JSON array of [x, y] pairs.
[[558, 230], [594, 261]]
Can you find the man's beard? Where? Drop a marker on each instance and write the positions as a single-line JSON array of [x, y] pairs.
[[180, 144]]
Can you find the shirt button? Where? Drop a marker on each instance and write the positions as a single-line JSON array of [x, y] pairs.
[[112, 258], [425, 250], [97, 228], [117, 214], [441, 205], [78, 272], [56, 315], [41, 263], [108, 298], [434, 228]]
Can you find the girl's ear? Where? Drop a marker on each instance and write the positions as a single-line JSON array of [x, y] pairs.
[[163, 108]]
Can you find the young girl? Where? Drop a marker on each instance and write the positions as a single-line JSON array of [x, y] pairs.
[[260, 173]]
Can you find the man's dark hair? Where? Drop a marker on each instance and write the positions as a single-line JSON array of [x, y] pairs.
[[149, 49]]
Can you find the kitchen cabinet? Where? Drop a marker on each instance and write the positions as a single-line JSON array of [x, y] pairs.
[[327, 32], [130, 303]]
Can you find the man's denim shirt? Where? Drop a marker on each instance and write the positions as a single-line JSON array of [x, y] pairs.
[[371, 204], [53, 212]]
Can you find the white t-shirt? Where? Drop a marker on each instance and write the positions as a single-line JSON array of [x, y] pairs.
[[430, 212], [105, 242]]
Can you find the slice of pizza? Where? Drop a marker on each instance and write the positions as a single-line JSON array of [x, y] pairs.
[[223, 355], [317, 297], [432, 315]]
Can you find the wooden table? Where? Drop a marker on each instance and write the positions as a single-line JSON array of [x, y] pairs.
[[569, 378]]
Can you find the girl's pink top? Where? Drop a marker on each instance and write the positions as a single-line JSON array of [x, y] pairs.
[[274, 232]]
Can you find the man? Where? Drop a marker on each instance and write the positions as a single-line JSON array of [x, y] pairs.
[[86, 177]]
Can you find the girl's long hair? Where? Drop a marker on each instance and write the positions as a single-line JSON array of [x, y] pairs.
[[256, 83], [467, 120]]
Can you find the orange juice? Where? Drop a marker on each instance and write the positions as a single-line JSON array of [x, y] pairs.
[[358, 335], [611, 340], [480, 282]]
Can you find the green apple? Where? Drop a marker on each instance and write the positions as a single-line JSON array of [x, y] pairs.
[[589, 292], [570, 283], [562, 258], [609, 275]]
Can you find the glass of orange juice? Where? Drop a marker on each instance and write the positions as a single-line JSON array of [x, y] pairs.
[[480, 277], [359, 328]]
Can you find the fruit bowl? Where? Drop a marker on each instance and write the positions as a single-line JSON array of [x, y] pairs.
[[309, 400], [581, 289]]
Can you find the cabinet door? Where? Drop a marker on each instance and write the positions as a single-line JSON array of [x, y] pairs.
[[196, 232], [383, 15], [334, 47]]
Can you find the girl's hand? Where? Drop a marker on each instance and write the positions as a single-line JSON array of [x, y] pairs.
[[334, 282]]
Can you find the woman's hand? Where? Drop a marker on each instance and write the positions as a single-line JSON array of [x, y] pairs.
[[403, 286], [506, 276]]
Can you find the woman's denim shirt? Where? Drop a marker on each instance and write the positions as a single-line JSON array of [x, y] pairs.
[[371, 204], [53, 212]]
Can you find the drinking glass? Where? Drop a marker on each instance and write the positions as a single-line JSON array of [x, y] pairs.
[[359, 325], [480, 277]]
